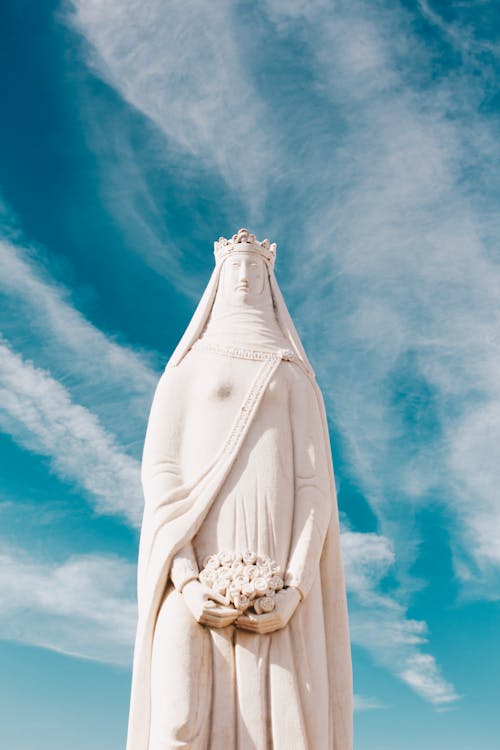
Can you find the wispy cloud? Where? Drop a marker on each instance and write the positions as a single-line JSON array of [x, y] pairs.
[[460, 31], [40, 415], [84, 606], [380, 624], [186, 70], [98, 370], [406, 285], [363, 703]]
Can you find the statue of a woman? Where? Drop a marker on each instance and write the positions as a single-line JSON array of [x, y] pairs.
[[237, 469]]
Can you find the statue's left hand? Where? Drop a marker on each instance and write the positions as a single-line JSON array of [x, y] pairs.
[[199, 599], [286, 604]]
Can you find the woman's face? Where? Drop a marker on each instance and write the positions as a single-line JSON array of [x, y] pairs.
[[244, 277]]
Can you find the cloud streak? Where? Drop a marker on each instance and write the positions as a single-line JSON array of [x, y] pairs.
[[380, 624], [363, 703], [83, 607], [40, 415], [185, 70], [97, 370]]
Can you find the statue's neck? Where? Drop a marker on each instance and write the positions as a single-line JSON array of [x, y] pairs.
[[250, 325]]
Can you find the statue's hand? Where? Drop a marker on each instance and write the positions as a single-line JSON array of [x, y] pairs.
[[286, 604], [205, 610]]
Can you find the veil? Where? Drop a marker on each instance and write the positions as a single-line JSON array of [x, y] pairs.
[[201, 314]]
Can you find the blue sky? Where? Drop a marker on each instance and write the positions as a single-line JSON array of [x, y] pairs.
[[363, 138]]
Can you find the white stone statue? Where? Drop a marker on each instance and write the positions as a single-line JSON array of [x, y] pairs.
[[242, 641]]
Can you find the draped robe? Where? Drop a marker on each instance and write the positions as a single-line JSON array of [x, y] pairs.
[[237, 456]]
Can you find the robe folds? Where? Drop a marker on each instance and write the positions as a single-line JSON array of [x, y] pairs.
[[261, 479]]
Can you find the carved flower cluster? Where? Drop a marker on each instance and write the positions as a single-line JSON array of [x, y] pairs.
[[244, 579]]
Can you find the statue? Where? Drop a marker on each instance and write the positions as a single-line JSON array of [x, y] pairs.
[[242, 640]]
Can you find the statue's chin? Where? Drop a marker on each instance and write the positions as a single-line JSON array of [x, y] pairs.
[[243, 297]]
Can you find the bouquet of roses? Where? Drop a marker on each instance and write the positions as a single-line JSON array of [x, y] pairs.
[[244, 580]]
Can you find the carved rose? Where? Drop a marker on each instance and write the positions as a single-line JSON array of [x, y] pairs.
[[241, 601], [260, 584], [250, 571], [249, 589], [249, 557], [212, 561], [234, 588], [225, 557], [264, 604], [240, 579], [276, 583]]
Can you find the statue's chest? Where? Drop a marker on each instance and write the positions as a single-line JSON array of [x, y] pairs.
[[223, 389], [228, 387], [222, 383]]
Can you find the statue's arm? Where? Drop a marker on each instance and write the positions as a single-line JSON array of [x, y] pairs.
[[160, 467], [312, 505], [184, 567], [161, 475]]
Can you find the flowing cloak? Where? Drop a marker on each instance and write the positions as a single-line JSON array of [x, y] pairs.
[[173, 520]]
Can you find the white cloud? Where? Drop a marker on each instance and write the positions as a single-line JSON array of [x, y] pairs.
[[399, 243], [422, 674], [474, 458], [40, 415], [379, 622], [185, 67], [84, 606], [461, 32], [367, 557], [363, 703], [98, 371]]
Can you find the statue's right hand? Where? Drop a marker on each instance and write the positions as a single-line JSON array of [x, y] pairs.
[[204, 609]]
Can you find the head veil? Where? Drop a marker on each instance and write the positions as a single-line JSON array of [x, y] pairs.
[[201, 314]]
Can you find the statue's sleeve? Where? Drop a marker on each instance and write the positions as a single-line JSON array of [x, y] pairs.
[[160, 467], [312, 502]]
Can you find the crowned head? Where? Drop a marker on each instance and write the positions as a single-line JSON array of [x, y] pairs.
[[245, 263], [245, 242]]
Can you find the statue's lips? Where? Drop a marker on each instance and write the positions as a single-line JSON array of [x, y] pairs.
[[242, 288]]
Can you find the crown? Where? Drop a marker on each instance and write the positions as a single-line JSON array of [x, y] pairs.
[[243, 241]]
